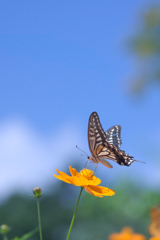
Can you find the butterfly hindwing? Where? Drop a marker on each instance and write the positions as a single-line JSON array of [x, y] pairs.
[[114, 136]]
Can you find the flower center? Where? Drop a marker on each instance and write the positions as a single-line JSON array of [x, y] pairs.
[[87, 173]]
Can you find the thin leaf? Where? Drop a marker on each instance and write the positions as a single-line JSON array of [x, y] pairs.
[[27, 235]]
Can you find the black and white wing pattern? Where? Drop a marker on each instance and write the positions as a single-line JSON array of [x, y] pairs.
[[101, 144], [114, 136]]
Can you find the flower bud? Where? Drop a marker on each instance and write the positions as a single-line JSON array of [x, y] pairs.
[[4, 229], [37, 192]]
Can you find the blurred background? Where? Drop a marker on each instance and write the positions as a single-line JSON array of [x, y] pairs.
[[59, 62]]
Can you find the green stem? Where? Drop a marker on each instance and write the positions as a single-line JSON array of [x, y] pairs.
[[39, 219], [5, 237], [69, 232]]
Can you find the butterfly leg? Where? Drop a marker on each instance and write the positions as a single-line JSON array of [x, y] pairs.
[[95, 168], [87, 164]]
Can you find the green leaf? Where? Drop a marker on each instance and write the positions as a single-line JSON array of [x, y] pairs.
[[27, 235]]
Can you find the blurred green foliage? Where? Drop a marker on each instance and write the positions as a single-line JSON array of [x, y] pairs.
[[146, 46], [27, 235], [96, 217]]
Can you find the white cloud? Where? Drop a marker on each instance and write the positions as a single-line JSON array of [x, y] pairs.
[[29, 159]]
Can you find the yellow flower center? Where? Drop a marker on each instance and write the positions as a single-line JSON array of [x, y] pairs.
[[87, 173]]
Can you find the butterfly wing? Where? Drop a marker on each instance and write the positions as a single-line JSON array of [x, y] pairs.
[[114, 136], [96, 140], [105, 163], [96, 134]]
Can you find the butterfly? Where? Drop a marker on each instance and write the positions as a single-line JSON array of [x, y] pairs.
[[106, 145], [154, 226]]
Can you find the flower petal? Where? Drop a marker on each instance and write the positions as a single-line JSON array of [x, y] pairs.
[[138, 236], [63, 179], [95, 181], [80, 181], [73, 171], [103, 191], [62, 174], [91, 192], [119, 236], [126, 234], [155, 238], [85, 181]]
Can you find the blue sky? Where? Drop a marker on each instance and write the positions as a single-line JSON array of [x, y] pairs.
[[59, 62]]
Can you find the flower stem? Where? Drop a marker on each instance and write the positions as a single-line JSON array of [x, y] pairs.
[[5, 237], [39, 219], [69, 232]]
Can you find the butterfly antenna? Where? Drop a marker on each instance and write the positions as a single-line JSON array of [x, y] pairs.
[[82, 150], [138, 161]]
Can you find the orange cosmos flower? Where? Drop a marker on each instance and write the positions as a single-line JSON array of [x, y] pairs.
[[85, 179], [127, 234], [155, 238], [154, 226]]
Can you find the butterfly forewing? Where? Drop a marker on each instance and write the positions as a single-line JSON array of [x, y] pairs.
[[96, 138], [96, 134]]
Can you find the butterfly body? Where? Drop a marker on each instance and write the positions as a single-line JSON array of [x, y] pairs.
[[106, 145]]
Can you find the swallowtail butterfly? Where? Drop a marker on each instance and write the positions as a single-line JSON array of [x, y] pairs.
[[106, 145]]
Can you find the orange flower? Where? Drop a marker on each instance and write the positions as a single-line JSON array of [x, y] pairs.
[[154, 226], [85, 179], [155, 238], [127, 234]]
